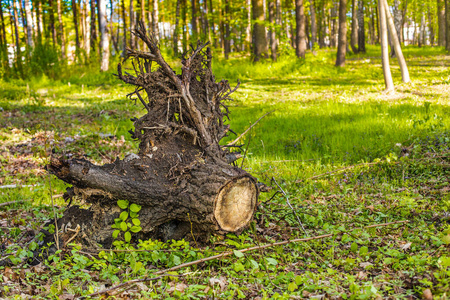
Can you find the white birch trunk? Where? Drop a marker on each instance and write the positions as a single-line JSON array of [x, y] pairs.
[[104, 39]]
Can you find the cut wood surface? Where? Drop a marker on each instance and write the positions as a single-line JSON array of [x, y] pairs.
[[181, 176]]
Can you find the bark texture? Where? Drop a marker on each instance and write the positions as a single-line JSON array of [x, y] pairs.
[[361, 28], [259, 31], [104, 39], [300, 35], [181, 176], [384, 47], [441, 22], [342, 38], [354, 33]]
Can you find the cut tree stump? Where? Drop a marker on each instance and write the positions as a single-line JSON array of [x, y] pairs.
[[183, 179]]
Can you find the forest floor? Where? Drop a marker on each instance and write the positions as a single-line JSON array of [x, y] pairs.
[[345, 154]]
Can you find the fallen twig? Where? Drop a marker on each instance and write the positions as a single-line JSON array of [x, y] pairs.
[[289, 203], [130, 282], [242, 134], [13, 202], [196, 262]]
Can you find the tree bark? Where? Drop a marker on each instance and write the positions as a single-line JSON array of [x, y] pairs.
[[249, 25], [441, 22], [176, 30], [194, 20], [75, 23], [124, 28], [30, 42], [397, 46], [61, 29], [184, 26], [333, 25], [300, 36], [384, 47], [16, 28], [430, 27], [312, 9], [93, 40], [354, 33], [40, 23], [447, 24], [206, 30], [4, 41], [259, 31], [132, 42], [104, 38], [181, 176], [361, 28], [227, 37], [272, 33], [342, 38], [155, 18]]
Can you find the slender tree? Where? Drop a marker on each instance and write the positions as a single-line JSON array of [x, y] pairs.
[[93, 33], [132, 24], [354, 33], [227, 37], [272, 33], [194, 20], [176, 30], [184, 26], [312, 10], [259, 31], [75, 24], [447, 24], [39, 21], [16, 28], [3, 42], [206, 30], [124, 28], [61, 29], [155, 18], [333, 24], [104, 39], [249, 24], [396, 43], [300, 36], [361, 28], [29, 24], [384, 47], [342, 37], [441, 22]]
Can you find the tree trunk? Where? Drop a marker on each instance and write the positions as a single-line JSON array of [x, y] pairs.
[[354, 33], [312, 9], [132, 43], [300, 37], [249, 25], [384, 47], [4, 41], [206, 30], [28, 16], [181, 177], [441, 22], [16, 29], [333, 26], [104, 39], [361, 29], [155, 18], [227, 35], [61, 29], [185, 35], [75, 23], [176, 30], [430, 27], [124, 28], [93, 28], [40, 23], [259, 31], [272, 35], [447, 24], [342, 38], [396, 43], [52, 21], [194, 20]]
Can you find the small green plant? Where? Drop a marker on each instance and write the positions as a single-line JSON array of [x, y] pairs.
[[128, 221]]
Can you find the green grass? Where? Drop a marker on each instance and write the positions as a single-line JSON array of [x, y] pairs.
[[324, 119]]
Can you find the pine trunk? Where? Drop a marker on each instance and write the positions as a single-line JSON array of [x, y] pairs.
[[29, 19], [300, 36], [176, 30], [227, 36], [312, 9], [16, 29], [75, 24], [194, 21], [441, 22], [61, 29], [155, 18], [272, 34], [93, 29], [354, 33], [361, 28], [259, 31], [333, 25], [342, 38], [447, 24]]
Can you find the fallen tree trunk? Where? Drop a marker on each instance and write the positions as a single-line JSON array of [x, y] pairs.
[[181, 178]]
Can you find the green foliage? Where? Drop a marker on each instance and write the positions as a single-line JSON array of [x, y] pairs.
[[127, 222]]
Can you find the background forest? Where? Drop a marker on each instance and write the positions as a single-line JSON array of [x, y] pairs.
[[359, 175]]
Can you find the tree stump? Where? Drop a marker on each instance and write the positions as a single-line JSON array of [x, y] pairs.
[[181, 177]]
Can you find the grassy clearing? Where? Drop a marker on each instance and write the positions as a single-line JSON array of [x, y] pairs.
[[325, 119]]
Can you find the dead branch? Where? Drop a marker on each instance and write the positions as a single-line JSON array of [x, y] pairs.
[[239, 137]]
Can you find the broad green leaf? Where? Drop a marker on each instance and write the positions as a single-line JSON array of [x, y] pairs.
[[255, 265], [136, 222], [123, 204], [238, 254], [238, 267], [271, 261], [137, 267], [354, 247], [115, 234], [123, 215], [446, 239], [176, 260], [123, 226], [135, 229], [127, 236], [135, 208], [298, 280], [292, 287], [363, 250]]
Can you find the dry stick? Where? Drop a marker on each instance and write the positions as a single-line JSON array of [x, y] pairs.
[[239, 137], [271, 245], [129, 282], [163, 273], [289, 203], [12, 202]]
